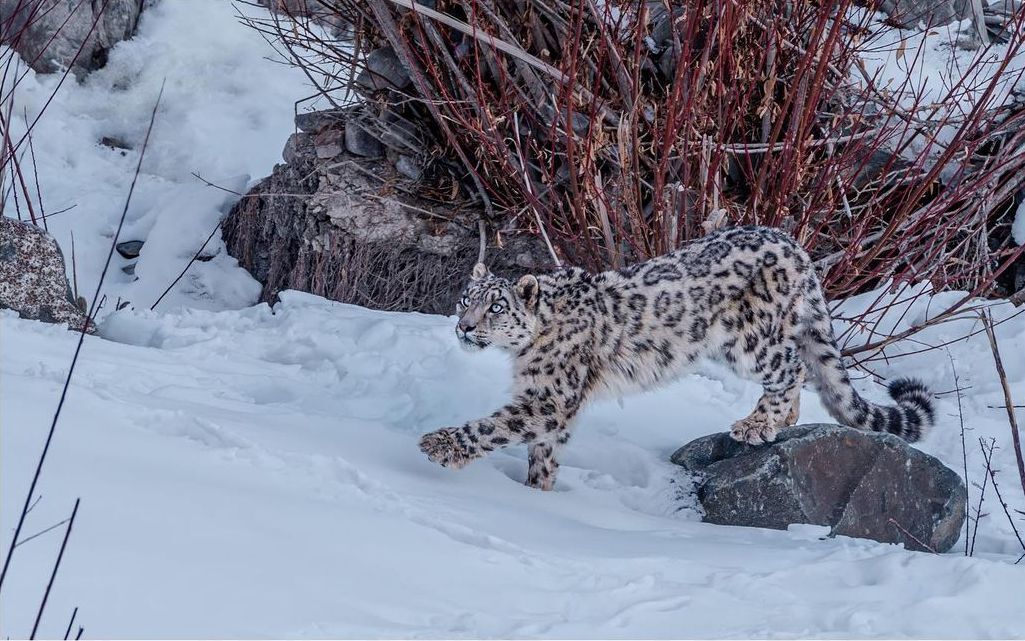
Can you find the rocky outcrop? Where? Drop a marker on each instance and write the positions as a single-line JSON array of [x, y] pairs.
[[347, 218], [33, 280], [366, 211], [318, 11], [861, 484], [50, 35]]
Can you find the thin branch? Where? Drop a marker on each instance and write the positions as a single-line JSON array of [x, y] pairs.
[[192, 260], [988, 455], [38, 499], [40, 533], [964, 447], [473, 32], [987, 320], [483, 240], [56, 567], [982, 497], [911, 536], [74, 614]]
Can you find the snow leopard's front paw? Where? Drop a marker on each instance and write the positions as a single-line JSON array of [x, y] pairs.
[[445, 448], [754, 430]]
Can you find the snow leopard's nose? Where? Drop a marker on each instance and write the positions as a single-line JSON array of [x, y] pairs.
[[466, 326]]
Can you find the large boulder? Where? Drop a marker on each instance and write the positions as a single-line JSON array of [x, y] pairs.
[[861, 484], [51, 35], [347, 218], [33, 280]]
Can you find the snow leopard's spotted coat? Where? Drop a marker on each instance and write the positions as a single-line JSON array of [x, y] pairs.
[[746, 296]]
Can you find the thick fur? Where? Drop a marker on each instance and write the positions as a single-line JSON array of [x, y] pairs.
[[746, 296]]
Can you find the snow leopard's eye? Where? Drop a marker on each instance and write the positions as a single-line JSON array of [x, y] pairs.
[[497, 308], [465, 301]]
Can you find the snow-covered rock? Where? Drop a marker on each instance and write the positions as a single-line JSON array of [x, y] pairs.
[[861, 484]]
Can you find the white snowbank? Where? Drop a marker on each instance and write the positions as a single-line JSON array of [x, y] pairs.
[[256, 473]]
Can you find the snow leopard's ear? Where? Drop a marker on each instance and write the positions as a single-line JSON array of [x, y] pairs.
[[527, 289], [479, 271]]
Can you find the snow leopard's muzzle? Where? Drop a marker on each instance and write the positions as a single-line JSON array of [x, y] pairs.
[[468, 330], [469, 342]]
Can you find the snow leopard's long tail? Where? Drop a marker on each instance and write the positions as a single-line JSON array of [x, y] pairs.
[[910, 418]]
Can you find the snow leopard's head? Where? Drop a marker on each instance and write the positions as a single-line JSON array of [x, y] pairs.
[[495, 311]]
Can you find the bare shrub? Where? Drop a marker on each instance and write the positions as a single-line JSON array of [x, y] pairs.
[[620, 130]]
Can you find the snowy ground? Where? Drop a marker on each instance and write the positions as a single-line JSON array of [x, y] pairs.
[[255, 473], [249, 473]]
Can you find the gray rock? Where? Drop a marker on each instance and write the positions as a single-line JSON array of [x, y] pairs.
[[295, 146], [383, 70], [933, 13], [115, 143], [361, 142], [313, 122], [329, 143], [400, 133], [49, 33], [33, 280], [861, 484], [580, 122], [869, 165], [667, 62], [130, 248]]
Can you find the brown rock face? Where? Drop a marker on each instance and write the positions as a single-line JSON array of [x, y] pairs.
[[861, 484], [33, 281], [354, 229]]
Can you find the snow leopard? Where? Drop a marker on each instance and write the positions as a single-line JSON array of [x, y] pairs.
[[748, 297]]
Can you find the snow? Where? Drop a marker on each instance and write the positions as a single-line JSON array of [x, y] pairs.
[[934, 65], [256, 473], [934, 75], [228, 107], [1018, 225], [253, 472]]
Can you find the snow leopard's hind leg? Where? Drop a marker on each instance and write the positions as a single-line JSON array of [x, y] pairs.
[[795, 401], [773, 358], [781, 374]]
